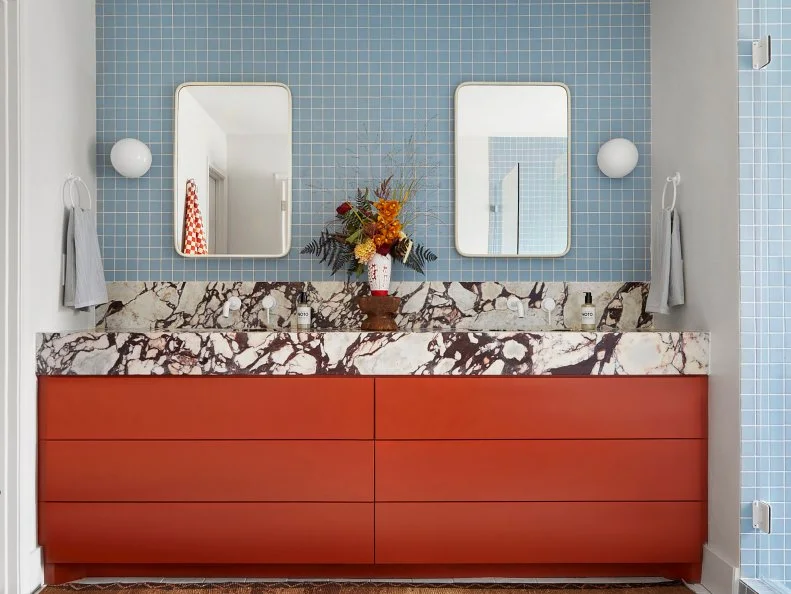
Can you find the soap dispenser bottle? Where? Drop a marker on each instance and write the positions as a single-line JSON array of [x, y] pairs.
[[304, 313], [588, 314]]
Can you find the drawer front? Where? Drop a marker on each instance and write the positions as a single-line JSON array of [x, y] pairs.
[[541, 408], [205, 408], [207, 532], [449, 533], [549, 470], [206, 471]]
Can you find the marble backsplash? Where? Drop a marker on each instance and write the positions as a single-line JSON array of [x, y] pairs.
[[144, 306]]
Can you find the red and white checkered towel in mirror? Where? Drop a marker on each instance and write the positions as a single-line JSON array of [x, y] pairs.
[[194, 236]]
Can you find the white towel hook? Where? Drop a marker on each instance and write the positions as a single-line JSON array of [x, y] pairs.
[[674, 179], [72, 183]]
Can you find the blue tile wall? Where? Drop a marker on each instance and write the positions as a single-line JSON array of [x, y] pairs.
[[365, 71], [765, 228]]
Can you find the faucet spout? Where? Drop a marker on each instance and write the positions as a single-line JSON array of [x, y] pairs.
[[233, 303], [515, 304]]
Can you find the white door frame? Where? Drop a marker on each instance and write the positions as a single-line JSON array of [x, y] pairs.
[[218, 211], [10, 295]]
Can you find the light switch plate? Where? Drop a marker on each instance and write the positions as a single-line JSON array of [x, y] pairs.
[[762, 516]]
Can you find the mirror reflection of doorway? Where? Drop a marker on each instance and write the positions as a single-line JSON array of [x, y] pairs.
[[243, 131], [218, 212], [510, 212]]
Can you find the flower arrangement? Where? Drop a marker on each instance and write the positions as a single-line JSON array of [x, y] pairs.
[[366, 227]]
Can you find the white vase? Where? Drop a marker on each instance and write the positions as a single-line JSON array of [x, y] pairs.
[[379, 271]]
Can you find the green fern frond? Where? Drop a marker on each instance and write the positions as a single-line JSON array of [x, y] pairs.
[[331, 249], [364, 204], [418, 256]]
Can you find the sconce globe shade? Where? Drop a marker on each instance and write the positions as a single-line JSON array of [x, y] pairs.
[[617, 157], [130, 157]]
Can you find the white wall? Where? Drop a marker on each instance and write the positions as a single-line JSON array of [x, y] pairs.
[[472, 222], [254, 219], [58, 123], [9, 297], [199, 137], [695, 131]]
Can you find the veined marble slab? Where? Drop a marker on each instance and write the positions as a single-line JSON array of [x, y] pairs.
[[145, 306], [374, 353]]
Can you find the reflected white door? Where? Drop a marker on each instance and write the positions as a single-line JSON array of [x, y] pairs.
[[510, 212], [218, 212]]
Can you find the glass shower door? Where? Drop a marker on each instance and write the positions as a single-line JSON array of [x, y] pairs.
[[765, 227]]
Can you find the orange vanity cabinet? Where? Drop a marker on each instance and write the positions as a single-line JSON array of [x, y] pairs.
[[161, 474], [358, 476], [541, 470]]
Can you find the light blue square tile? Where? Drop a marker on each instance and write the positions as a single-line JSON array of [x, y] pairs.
[[341, 69]]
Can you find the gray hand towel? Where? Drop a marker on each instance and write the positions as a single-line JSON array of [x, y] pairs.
[[71, 266], [676, 292], [85, 284], [667, 266]]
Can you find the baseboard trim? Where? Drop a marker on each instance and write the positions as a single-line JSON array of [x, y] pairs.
[[32, 572], [719, 576], [61, 573]]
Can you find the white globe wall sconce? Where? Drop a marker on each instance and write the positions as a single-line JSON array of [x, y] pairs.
[[130, 157], [618, 157]]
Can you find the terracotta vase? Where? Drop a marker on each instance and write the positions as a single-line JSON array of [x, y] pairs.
[[379, 272]]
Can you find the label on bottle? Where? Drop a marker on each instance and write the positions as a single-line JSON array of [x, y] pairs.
[[588, 317], [303, 316]]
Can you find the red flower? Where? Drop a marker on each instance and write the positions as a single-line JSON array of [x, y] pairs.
[[343, 208], [383, 249]]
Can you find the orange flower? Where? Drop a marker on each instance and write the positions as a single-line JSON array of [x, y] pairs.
[[388, 210], [388, 227]]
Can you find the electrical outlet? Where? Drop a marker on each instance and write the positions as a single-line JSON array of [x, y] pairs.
[[762, 516]]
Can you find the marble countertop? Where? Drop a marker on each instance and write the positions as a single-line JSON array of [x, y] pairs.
[[428, 352]]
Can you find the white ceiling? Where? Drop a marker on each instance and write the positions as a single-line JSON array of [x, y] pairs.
[[484, 110], [245, 109]]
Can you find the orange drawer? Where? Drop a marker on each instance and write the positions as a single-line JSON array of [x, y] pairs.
[[206, 471], [205, 408], [541, 408], [449, 533], [549, 470], [199, 533]]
